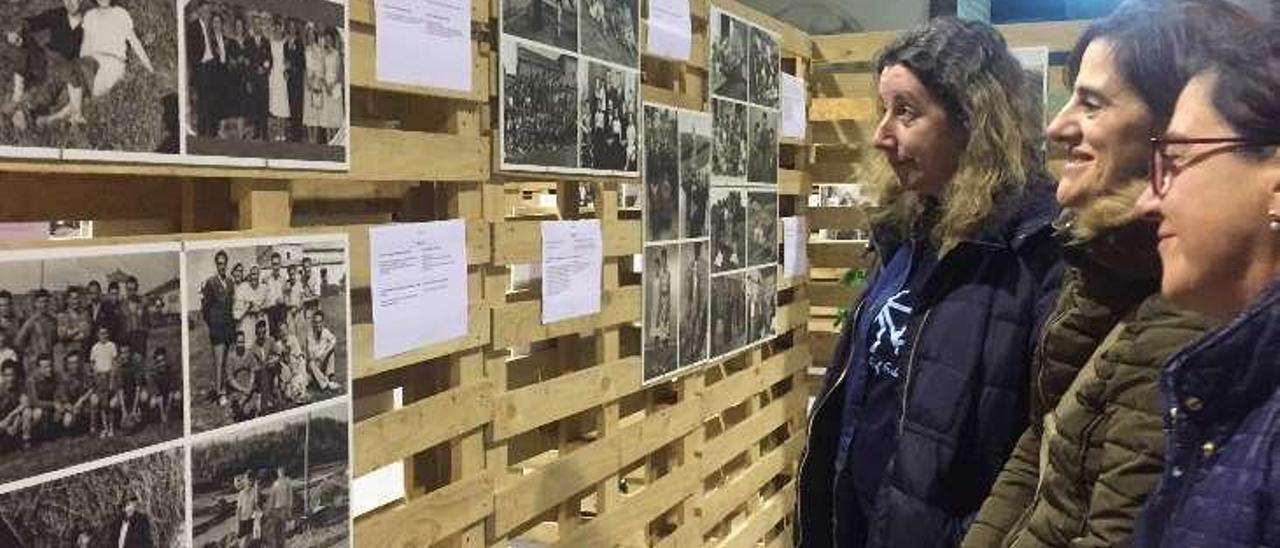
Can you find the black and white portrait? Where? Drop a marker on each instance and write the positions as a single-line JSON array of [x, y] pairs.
[[539, 106], [551, 22], [100, 75], [662, 301], [610, 31], [728, 229], [729, 150], [283, 482], [695, 173], [729, 56], [728, 313], [762, 163], [90, 355], [267, 327], [138, 503], [610, 137], [765, 62], [695, 281], [762, 228], [266, 79], [762, 303], [661, 173]]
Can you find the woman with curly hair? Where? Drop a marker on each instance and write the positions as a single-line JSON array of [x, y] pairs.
[[926, 393]]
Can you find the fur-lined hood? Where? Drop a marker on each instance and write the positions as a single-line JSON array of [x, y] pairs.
[[1108, 235]]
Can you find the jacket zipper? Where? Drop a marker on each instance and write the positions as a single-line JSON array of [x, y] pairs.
[[817, 406], [1040, 358]]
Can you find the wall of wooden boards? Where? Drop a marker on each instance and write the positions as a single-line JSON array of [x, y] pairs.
[[519, 433]]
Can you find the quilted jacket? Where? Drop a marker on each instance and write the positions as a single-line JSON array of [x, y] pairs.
[[1221, 481], [1094, 449]]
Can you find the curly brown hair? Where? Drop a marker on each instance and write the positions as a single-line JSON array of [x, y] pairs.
[[967, 66]]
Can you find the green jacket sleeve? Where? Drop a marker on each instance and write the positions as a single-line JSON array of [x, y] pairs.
[[1013, 491]]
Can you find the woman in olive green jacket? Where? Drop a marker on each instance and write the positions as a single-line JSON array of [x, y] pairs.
[[1081, 472]]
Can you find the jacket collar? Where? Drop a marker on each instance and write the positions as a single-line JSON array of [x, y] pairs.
[[1125, 256], [1233, 368]]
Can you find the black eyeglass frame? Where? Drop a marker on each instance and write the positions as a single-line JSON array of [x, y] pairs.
[[1161, 179]]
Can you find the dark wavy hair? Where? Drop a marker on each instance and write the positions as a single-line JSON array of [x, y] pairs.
[[967, 67]]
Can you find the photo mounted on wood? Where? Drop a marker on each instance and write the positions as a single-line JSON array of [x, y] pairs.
[[284, 481], [762, 302], [569, 87], [662, 304], [267, 80], [728, 313], [89, 79], [728, 229], [762, 228], [729, 160], [90, 355], [695, 173], [694, 283], [661, 173], [762, 163], [140, 502], [268, 326]]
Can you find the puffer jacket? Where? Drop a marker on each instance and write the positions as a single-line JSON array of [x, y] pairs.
[[965, 387], [1082, 470], [1221, 482]]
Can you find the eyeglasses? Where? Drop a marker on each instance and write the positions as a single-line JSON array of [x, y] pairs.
[[1163, 168]]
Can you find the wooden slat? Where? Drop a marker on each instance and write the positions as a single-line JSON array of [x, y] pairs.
[[533, 406], [717, 504], [520, 242], [838, 254], [769, 514], [638, 510], [831, 294], [427, 519], [399, 434], [478, 330], [722, 449], [521, 323], [395, 155], [845, 218]]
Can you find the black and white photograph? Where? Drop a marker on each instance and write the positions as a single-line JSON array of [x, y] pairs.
[[267, 79], [283, 483], [728, 229], [629, 198], [728, 313], [762, 162], [662, 300], [90, 355], [765, 62], [762, 228], [694, 308], [610, 31], [98, 75], [540, 107], [267, 326], [551, 22], [729, 55], [661, 173], [610, 138], [138, 503], [762, 303], [729, 149], [695, 173]]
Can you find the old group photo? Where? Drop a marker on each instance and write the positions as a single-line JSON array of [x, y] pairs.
[[661, 173], [267, 328], [540, 106], [89, 74], [90, 358], [266, 79], [281, 484]]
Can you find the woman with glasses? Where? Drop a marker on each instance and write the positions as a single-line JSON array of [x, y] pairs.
[[1094, 450], [926, 393], [1216, 195]]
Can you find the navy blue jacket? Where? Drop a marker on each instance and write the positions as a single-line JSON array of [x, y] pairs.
[[1221, 483], [967, 376]]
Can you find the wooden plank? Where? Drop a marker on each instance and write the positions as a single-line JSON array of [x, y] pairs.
[[521, 323], [1056, 35], [732, 442], [520, 242], [791, 315], [421, 425], [715, 505], [846, 218], [367, 366], [427, 519], [538, 404], [737, 388], [792, 182], [768, 516], [396, 155], [839, 254], [861, 109], [831, 294], [640, 509]]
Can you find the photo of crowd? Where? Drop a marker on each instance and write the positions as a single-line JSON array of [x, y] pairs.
[[610, 31], [551, 22], [729, 152], [267, 328], [728, 313], [695, 173], [728, 229], [695, 278], [138, 503], [661, 173], [762, 228], [283, 484], [764, 66], [540, 99], [729, 56], [267, 79], [662, 304], [610, 137], [762, 163], [762, 302], [89, 74], [90, 358]]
